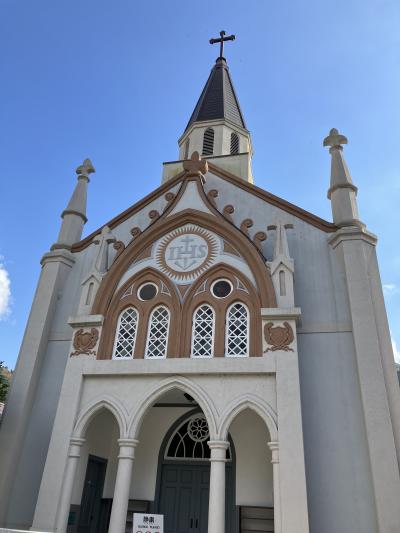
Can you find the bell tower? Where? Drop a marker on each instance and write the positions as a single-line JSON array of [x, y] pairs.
[[216, 128]]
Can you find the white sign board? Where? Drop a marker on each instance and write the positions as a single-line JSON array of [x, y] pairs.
[[148, 523]]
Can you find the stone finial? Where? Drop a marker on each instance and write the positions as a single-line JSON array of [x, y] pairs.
[[195, 165], [335, 140], [85, 169]]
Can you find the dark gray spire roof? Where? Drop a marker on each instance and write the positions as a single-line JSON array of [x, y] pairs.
[[218, 99]]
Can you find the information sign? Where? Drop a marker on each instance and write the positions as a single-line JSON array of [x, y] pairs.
[[148, 523]]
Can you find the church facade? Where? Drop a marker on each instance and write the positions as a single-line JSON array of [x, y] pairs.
[[213, 354]]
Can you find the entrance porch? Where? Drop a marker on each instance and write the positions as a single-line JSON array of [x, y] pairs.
[[173, 469]]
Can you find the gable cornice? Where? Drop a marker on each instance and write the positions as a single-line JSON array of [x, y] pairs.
[[313, 220]]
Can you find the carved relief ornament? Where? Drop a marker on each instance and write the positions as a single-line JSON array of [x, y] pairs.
[[85, 342], [278, 337]]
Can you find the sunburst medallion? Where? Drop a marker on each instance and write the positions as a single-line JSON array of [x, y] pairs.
[[185, 253]]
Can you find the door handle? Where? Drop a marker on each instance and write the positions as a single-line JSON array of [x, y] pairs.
[[197, 523], [191, 523]]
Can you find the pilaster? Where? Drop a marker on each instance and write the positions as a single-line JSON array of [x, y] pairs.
[[56, 266], [380, 401], [280, 337]]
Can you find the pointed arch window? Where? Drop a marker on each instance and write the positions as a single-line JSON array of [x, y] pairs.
[[208, 142], [237, 331], [203, 331], [125, 337], [234, 143], [157, 336]]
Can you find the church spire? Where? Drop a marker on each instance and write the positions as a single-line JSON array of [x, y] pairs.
[[217, 127], [342, 192], [218, 99]]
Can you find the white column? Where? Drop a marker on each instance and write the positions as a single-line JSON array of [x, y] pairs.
[[68, 484], [122, 485], [274, 447], [216, 506]]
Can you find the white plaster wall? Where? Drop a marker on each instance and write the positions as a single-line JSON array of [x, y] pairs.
[[254, 482]]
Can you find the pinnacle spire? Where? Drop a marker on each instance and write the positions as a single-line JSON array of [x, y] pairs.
[[342, 192], [74, 216]]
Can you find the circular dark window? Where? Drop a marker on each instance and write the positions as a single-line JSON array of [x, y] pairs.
[[147, 291], [221, 288]]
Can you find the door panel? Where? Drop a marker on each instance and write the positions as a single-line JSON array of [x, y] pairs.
[[91, 495], [184, 498]]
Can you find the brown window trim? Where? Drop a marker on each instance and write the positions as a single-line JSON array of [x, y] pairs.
[[120, 303], [251, 300]]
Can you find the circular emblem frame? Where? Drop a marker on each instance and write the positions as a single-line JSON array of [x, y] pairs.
[[197, 265]]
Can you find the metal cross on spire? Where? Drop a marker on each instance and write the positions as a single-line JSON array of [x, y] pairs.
[[222, 40]]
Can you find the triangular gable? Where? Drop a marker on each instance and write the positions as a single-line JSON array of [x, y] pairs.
[[269, 198]]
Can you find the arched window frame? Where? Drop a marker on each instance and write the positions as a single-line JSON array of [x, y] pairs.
[[149, 333], [127, 296], [208, 142], [246, 354], [118, 332], [235, 143], [205, 304], [243, 290]]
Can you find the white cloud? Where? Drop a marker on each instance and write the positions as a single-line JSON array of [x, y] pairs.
[[5, 291], [396, 351], [390, 288]]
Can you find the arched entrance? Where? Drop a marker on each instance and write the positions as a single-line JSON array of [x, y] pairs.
[[183, 480]]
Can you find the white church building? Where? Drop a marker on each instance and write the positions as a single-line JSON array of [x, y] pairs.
[[214, 354]]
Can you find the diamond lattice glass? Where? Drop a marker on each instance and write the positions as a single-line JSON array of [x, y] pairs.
[[237, 338], [126, 334]]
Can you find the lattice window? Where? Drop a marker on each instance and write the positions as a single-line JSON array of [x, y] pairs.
[[125, 337], [190, 441], [237, 331], [208, 142], [203, 332], [157, 337], [234, 143]]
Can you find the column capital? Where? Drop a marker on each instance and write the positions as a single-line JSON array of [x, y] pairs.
[[75, 445], [218, 449], [127, 448], [274, 447]]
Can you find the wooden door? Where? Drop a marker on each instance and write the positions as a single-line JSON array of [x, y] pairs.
[[91, 495], [184, 498]]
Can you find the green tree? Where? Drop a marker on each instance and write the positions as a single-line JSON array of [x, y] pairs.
[[4, 382]]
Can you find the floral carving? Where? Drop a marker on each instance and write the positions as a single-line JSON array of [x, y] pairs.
[[228, 212], [211, 195], [85, 341], [119, 246], [245, 225], [135, 232], [278, 337], [258, 238]]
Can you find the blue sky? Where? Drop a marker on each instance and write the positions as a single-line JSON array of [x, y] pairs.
[[117, 81]]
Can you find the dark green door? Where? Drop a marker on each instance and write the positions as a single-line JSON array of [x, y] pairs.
[[184, 498], [91, 495]]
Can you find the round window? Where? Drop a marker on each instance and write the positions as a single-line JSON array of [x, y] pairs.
[[221, 288], [147, 291]]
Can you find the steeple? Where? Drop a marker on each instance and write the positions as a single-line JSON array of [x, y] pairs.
[[217, 127], [218, 99]]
